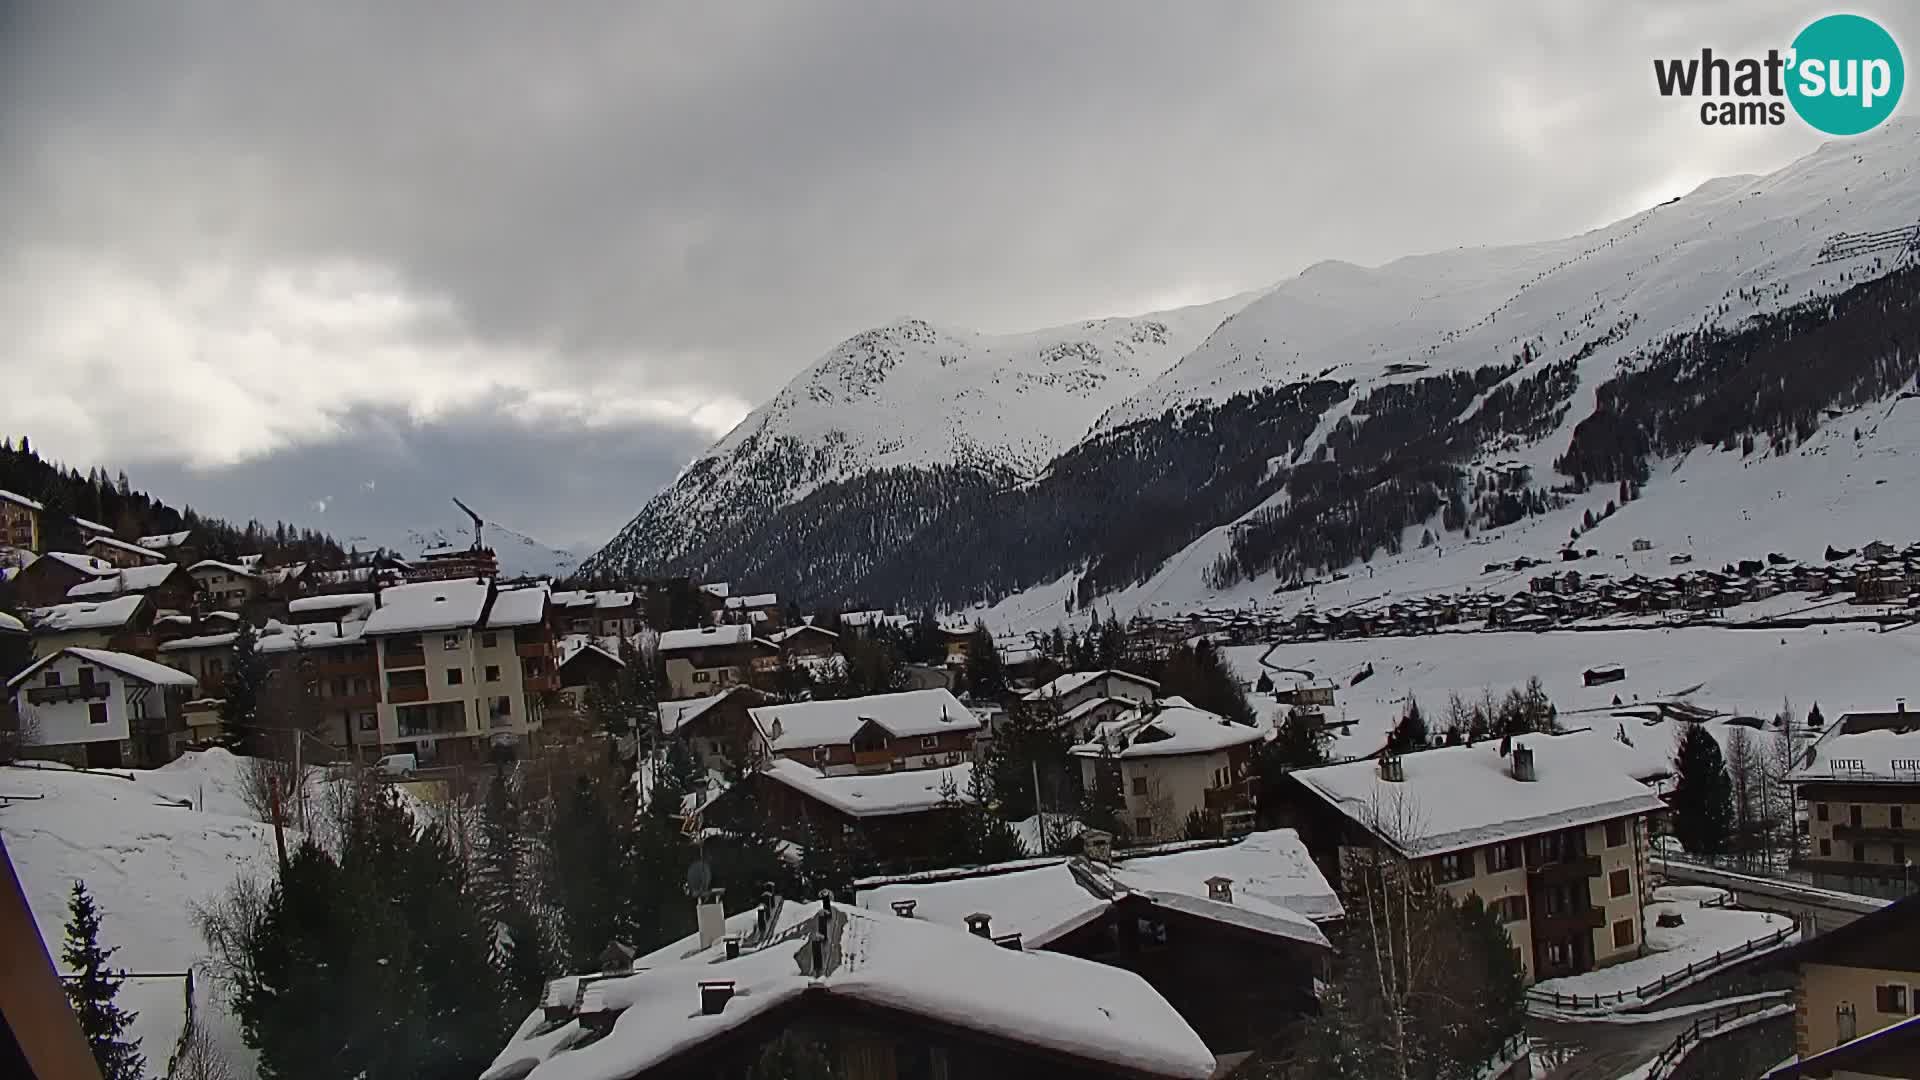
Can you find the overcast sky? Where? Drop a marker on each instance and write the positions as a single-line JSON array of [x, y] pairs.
[[267, 256]]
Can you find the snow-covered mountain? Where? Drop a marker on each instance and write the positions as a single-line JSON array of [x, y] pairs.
[[520, 555], [911, 395], [1321, 420]]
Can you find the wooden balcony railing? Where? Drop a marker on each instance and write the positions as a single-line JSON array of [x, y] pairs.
[[54, 695], [407, 695]]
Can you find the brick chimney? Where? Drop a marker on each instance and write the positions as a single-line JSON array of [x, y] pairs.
[[1523, 764], [1220, 888], [1391, 768]]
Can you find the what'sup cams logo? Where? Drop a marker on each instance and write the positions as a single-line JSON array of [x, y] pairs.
[[1843, 75]]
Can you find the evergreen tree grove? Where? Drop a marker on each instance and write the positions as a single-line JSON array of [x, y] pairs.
[[92, 990], [1702, 793]]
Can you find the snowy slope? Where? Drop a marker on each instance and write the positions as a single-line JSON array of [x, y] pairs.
[[146, 859], [912, 394], [520, 555]]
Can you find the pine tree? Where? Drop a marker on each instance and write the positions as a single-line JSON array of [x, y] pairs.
[[1200, 674], [1702, 794], [1410, 733], [986, 674], [93, 988], [240, 714]]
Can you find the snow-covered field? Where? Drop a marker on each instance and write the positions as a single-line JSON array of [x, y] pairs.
[[149, 844], [1745, 672]]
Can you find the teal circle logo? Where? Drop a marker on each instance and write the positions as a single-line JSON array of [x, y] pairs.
[[1846, 74]]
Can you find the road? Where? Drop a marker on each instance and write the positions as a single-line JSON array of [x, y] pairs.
[[1825, 909], [1598, 1050]]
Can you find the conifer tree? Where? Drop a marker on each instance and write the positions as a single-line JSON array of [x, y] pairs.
[[986, 675], [240, 713], [1200, 674], [1410, 733], [94, 987], [1702, 794]]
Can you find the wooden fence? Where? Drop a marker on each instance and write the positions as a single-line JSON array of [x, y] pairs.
[[1672, 980]]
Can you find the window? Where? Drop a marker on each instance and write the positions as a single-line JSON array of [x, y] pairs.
[[215, 666], [1820, 811], [450, 642], [53, 678], [86, 676], [487, 639], [1559, 954], [493, 672], [1453, 866], [1511, 909], [1853, 816], [455, 676], [702, 676], [1845, 1023], [1859, 852], [1891, 998], [1140, 785], [1826, 848], [503, 706], [1623, 933], [1895, 815], [1503, 857], [1619, 883], [369, 721], [1616, 834], [821, 754], [1899, 854], [1143, 826], [929, 742], [97, 712]]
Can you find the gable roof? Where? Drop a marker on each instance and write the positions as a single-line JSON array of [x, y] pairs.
[[330, 602], [1888, 939], [1464, 796], [122, 545], [11, 625], [88, 615], [705, 637], [906, 714], [86, 564], [133, 579], [1074, 680], [861, 795], [1884, 756], [163, 541], [235, 569], [675, 715], [429, 605], [518, 607], [21, 500], [1054, 1006], [87, 526], [781, 637], [127, 664], [1173, 727]]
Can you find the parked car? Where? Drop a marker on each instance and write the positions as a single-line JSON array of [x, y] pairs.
[[397, 765]]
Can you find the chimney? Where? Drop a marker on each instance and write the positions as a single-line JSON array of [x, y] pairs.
[[1097, 844], [711, 918], [980, 924], [1523, 764], [1220, 888], [1391, 769], [714, 995], [733, 946], [903, 908]]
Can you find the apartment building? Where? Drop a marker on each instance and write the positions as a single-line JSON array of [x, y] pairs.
[[1861, 786], [20, 521], [463, 664], [333, 671], [1854, 1011], [596, 613], [711, 658], [227, 585], [1548, 831], [1169, 760], [119, 553]]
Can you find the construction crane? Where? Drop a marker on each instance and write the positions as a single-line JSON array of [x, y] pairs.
[[477, 524]]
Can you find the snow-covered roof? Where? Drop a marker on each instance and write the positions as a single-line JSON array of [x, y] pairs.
[[321, 635], [127, 664], [86, 564], [87, 615], [132, 579], [122, 545], [1068, 683], [1174, 727], [1882, 757], [779, 637], [200, 641], [329, 602], [214, 564], [1041, 900], [1269, 868], [602, 598], [706, 637], [873, 794], [903, 715], [1053, 1004], [11, 625], [20, 500], [87, 525], [715, 588], [429, 605], [518, 607], [675, 714], [756, 600], [1465, 796], [163, 541]]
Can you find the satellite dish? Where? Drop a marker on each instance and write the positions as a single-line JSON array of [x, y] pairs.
[[699, 878]]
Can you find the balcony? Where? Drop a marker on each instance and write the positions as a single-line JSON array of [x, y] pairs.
[[1844, 831], [876, 760], [1227, 800], [407, 695], [540, 684], [1573, 868], [542, 647], [57, 695], [1579, 920]]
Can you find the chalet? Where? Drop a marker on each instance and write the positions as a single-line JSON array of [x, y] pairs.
[[47, 579], [1854, 1013], [121, 554], [806, 643], [1603, 674], [331, 608], [1178, 917], [762, 610], [178, 546], [100, 708], [959, 642], [585, 663], [701, 661], [205, 656], [1861, 785], [716, 728], [227, 585], [895, 814], [915, 729], [1080, 687], [1877, 550], [1169, 760], [602, 613], [168, 585], [1317, 693], [1642, 544], [1556, 846], [122, 624], [20, 521], [893, 998]]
